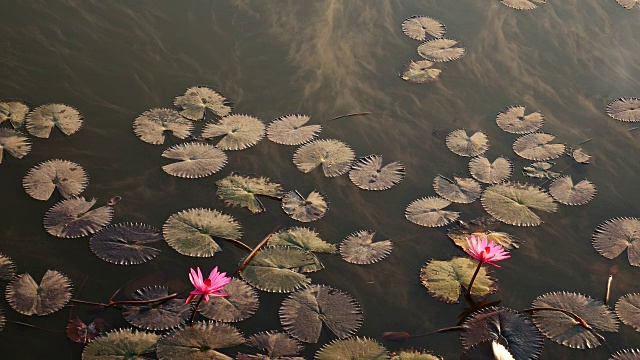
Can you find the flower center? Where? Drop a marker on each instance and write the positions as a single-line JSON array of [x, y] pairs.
[[487, 250]]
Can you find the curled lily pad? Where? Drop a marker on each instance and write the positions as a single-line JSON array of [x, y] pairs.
[[13, 110], [522, 4], [523, 340], [152, 125], [196, 160], [580, 156], [536, 146], [481, 228], [441, 50], [414, 354], [306, 210], [418, 27], [159, 315], [73, 218], [68, 177], [353, 348], [30, 298], [289, 130], [625, 109], [460, 190], [626, 354], [192, 232], [628, 310], [513, 120], [278, 345], [83, 333], [42, 119], [540, 170], [302, 238], [304, 313], [238, 190], [564, 191], [240, 303], [122, 344], [200, 341], [513, 203], [125, 244], [490, 172], [16, 144], [238, 131], [428, 212], [369, 174], [7, 268], [419, 71], [614, 236], [359, 248], [196, 100], [461, 144], [334, 156], [444, 278]]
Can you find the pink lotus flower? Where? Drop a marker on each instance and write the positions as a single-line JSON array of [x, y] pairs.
[[486, 253], [208, 287]]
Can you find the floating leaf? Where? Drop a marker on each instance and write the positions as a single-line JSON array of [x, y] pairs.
[[278, 345], [460, 190], [7, 268], [302, 238], [418, 27], [522, 4], [359, 248], [334, 156], [487, 350], [200, 341], [238, 132], [461, 144], [564, 191], [512, 203], [306, 210], [68, 177], [30, 298], [238, 190], [13, 110], [513, 120], [240, 303], [490, 172], [43, 118], [419, 71], [566, 330], [354, 348], [536, 147], [628, 310], [522, 338], [158, 315], [278, 269], [73, 218], [191, 232], [444, 278], [197, 160], [614, 236], [626, 354], [428, 212], [413, 354], [369, 174], [625, 109], [441, 50], [481, 228], [540, 170], [152, 125], [288, 130], [16, 144], [78, 331], [122, 344], [197, 99], [580, 156], [125, 244]]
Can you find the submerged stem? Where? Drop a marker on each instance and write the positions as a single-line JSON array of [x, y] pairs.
[[239, 244], [125, 302], [346, 115], [575, 316]]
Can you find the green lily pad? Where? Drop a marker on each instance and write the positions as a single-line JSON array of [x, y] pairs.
[[628, 310], [614, 236], [428, 212], [159, 315], [238, 190], [513, 203], [240, 303], [302, 238], [122, 344], [238, 132], [359, 248], [537, 146], [355, 349], [200, 341], [443, 279], [277, 345], [195, 160], [334, 156], [413, 354], [460, 190]]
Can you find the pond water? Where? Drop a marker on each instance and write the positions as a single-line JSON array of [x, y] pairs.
[[114, 60]]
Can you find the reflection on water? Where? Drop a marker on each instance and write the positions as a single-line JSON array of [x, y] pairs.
[[114, 60]]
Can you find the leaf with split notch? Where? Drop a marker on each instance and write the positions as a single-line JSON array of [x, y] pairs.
[[624, 109], [125, 244], [197, 99], [159, 315], [540, 170], [13, 110], [277, 345], [16, 144], [122, 344], [30, 298], [43, 179], [240, 303], [464, 145], [359, 248], [481, 228], [564, 191], [369, 174], [302, 238], [238, 190], [419, 71], [460, 190], [306, 210], [200, 341], [152, 125], [444, 278], [614, 236], [73, 218], [428, 212], [42, 119], [536, 146], [289, 130], [626, 354], [414, 354], [353, 348], [78, 331], [512, 203], [513, 120], [418, 27], [196, 160], [334, 156], [628, 310], [441, 50], [238, 132], [490, 172], [522, 4]]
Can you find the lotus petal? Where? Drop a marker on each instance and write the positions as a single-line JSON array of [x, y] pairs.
[[564, 191], [191, 232], [306, 210], [563, 328], [418, 27], [626, 354], [460, 190], [353, 348], [334, 156], [238, 132], [78, 331], [238, 190], [43, 118], [428, 212], [441, 50], [490, 172], [200, 341], [369, 174], [413, 354], [278, 345], [7, 268], [302, 238], [68, 177], [125, 244], [481, 228], [513, 120], [288, 130], [536, 147], [159, 315], [625, 109], [359, 248], [73, 218], [613, 236], [152, 125], [13, 110], [628, 310], [444, 278], [30, 298], [487, 350], [197, 99], [522, 4], [197, 160], [16, 144], [461, 144], [512, 203], [580, 156], [540, 170], [240, 303], [122, 344], [419, 71]]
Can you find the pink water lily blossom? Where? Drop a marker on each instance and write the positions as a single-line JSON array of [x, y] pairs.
[[486, 253], [208, 287]]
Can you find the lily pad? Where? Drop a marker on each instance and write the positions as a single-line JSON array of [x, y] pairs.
[[7, 268], [513, 203], [122, 344], [334, 156], [306, 210], [513, 120], [16, 144], [460, 190], [490, 172], [369, 174], [191, 232], [580, 156], [418, 27], [359, 248], [30, 298], [536, 146], [626, 354], [238, 131], [289, 130], [441, 50], [200, 341], [152, 125], [81, 333], [355, 348], [628, 310], [73, 218], [464, 145], [420, 71], [625, 109], [159, 315], [238, 190], [302, 238], [614, 236], [42, 119], [565, 329], [522, 4], [540, 170], [564, 191], [68, 177], [125, 244], [196, 160], [278, 345], [444, 278], [196, 100], [428, 212], [13, 110], [481, 228], [413, 354], [240, 303]]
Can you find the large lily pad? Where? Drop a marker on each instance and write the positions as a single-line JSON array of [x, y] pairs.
[[540, 170], [191, 232], [159, 315], [419, 71], [196, 160], [277, 345], [444, 278], [200, 341], [626, 354], [522, 4], [152, 125], [30, 298], [512, 203], [564, 191], [238, 190], [240, 303], [460, 190], [355, 348], [614, 236], [369, 174], [418, 27], [513, 120], [73, 218], [196, 100], [302, 238], [441, 50], [125, 244], [289, 130], [306, 210], [414, 354], [490, 172], [359, 248], [7, 268], [334, 156], [580, 156], [464, 145], [68, 177], [625, 109], [628, 310], [238, 131], [428, 212], [42, 119], [16, 144], [13, 110], [122, 344], [536, 146]]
